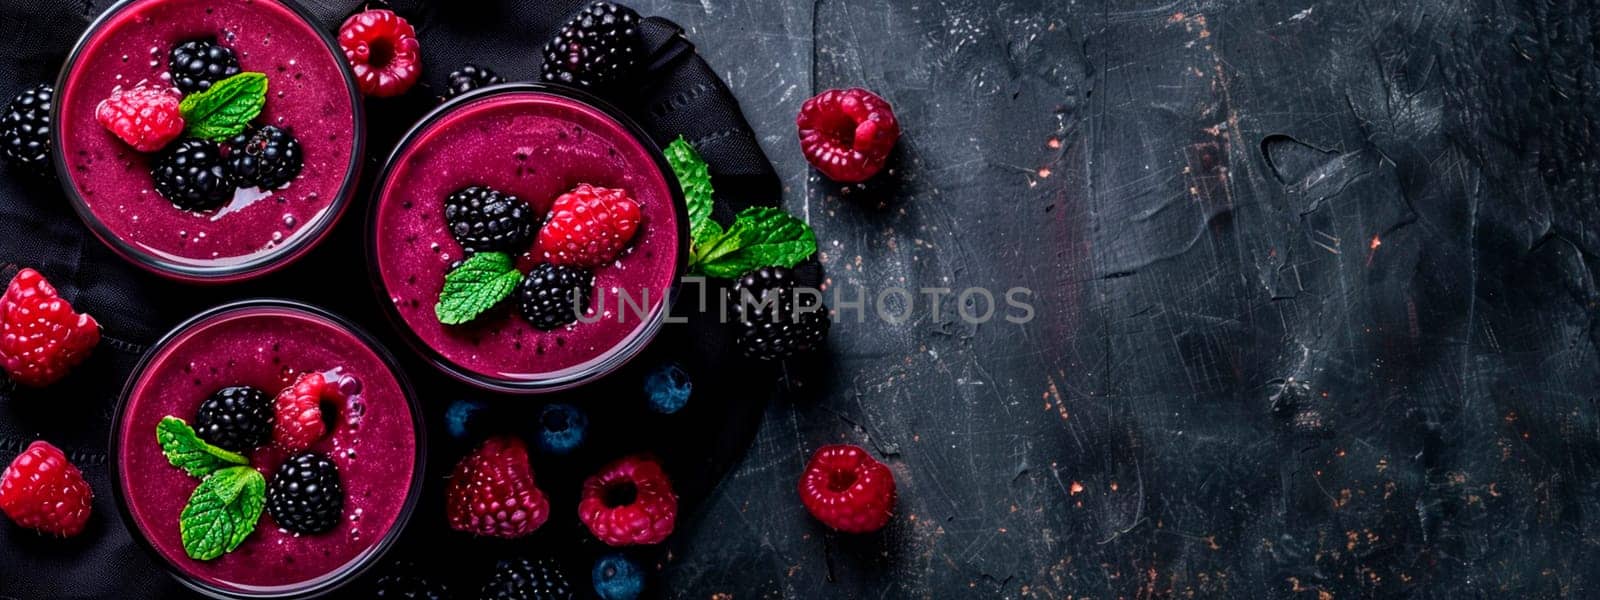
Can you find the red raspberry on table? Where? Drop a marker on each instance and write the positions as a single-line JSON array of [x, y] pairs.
[[588, 227], [629, 502], [492, 492], [41, 338], [383, 52], [847, 490], [847, 134], [43, 491], [145, 117], [297, 413]]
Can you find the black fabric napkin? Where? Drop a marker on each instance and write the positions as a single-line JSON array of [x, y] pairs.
[[680, 95]]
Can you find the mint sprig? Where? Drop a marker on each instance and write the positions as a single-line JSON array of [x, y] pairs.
[[481, 282], [185, 449], [222, 512], [226, 108], [760, 236], [694, 177]]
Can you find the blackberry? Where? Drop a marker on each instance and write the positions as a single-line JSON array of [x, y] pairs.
[[193, 175], [523, 579], [196, 65], [470, 77], [483, 219], [403, 583], [774, 321], [25, 128], [551, 296], [235, 418], [596, 49], [265, 158], [305, 495]]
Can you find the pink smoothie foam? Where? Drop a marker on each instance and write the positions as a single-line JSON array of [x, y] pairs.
[[307, 94], [536, 146], [373, 444]]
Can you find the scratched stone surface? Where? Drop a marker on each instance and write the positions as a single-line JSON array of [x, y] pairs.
[[1316, 286], [1315, 292]]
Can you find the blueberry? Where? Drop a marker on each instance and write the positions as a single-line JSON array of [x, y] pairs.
[[668, 387], [561, 428], [459, 417], [617, 578]]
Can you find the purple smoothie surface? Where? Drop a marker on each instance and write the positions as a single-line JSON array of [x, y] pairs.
[[307, 94], [373, 443], [536, 146]]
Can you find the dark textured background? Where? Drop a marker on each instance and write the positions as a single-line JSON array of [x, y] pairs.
[[1316, 291]]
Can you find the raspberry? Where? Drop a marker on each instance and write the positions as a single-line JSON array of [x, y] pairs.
[[847, 490], [588, 226], [774, 321], [266, 158], [492, 492], [561, 428], [41, 338], [629, 502], [617, 578], [25, 128], [305, 494], [383, 51], [847, 134], [43, 491], [193, 175], [235, 418], [196, 65], [596, 49], [523, 579], [470, 77], [297, 413], [483, 219], [145, 117], [550, 296]]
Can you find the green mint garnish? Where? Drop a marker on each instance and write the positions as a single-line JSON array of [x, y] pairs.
[[226, 108], [695, 179], [185, 449], [222, 512], [476, 286], [761, 236]]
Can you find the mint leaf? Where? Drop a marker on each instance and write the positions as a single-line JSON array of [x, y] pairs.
[[226, 108], [761, 236], [476, 286], [695, 179], [185, 449], [222, 512]]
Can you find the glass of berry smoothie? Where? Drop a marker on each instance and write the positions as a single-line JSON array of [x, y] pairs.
[[208, 140], [267, 449], [529, 238]]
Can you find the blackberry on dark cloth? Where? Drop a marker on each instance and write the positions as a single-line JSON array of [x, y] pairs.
[[25, 128], [775, 322], [597, 48]]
